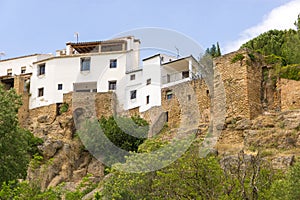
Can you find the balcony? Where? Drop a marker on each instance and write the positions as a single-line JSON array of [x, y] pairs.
[[175, 78]]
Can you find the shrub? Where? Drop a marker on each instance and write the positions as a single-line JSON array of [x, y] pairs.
[[237, 57], [64, 108]]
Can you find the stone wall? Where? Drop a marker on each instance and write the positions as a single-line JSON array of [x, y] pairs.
[[105, 102], [171, 106], [290, 94], [190, 100], [242, 83], [270, 89], [19, 86], [254, 83]]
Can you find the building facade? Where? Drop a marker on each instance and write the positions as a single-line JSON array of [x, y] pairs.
[[100, 66]]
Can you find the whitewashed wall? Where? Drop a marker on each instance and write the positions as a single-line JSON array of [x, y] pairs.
[[17, 63]]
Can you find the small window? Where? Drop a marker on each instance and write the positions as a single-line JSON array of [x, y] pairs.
[[113, 63], [112, 85], [185, 74], [59, 86], [189, 97], [169, 94], [148, 81], [85, 64], [9, 72], [23, 70], [41, 69], [168, 78], [132, 77], [147, 99], [40, 92], [133, 94]]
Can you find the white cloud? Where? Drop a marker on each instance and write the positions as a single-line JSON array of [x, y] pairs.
[[282, 17]]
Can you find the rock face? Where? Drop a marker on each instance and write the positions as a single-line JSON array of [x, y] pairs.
[[64, 157], [276, 136]]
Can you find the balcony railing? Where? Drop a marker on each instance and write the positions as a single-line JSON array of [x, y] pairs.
[[169, 78]]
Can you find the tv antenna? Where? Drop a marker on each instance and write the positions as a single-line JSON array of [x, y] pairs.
[[177, 51], [76, 35]]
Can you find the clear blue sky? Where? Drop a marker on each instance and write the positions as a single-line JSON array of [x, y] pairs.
[[38, 26]]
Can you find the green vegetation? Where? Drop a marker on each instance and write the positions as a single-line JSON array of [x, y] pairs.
[[16, 144], [283, 44], [214, 51], [290, 72], [31, 191], [192, 177], [63, 108], [117, 130], [281, 50], [238, 57]]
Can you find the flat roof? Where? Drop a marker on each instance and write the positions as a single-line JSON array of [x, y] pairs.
[[19, 57], [151, 57]]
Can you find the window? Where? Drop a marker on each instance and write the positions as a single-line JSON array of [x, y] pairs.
[[9, 72], [41, 69], [189, 97], [185, 74], [169, 94], [168, 78], [132, 77], [133, 94], [147, 99], [148, 81], [40, 92], [112, 85], [59, 86], [23, 70], [113, 63], [111, 47], [85, 64]]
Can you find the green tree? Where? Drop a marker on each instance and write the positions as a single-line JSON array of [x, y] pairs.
[[126, 133], [297, 23], [281, 43], [214, 51], [16, 144]]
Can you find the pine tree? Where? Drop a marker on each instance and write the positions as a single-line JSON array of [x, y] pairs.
[[297, 23], [218, 53]]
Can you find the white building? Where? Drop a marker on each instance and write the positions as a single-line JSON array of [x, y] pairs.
[[9, 68], [158, 71], [101, 66], [84, 67]]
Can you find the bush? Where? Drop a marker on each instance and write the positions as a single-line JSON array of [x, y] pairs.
[[237, 57], [63, 108], [290, 72]]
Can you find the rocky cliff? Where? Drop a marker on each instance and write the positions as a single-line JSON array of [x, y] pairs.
[[63, 157]]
